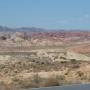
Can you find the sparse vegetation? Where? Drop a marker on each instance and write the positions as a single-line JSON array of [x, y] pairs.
[[51, 82], [41, 60]]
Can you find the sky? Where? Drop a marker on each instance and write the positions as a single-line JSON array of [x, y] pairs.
[[50, 14]]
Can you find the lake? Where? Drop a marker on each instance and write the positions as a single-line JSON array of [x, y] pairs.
[[69, 87]]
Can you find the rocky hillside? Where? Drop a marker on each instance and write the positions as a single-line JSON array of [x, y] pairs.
[[41, 37]]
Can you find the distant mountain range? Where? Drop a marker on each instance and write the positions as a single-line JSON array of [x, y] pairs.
[[27, 29], [34, 29]]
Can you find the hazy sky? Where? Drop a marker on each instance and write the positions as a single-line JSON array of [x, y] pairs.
[[66, 14]]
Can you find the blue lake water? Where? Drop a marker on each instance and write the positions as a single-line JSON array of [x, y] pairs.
[[71, 87]]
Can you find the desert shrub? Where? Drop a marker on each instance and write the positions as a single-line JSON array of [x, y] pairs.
[[60, 77], [51, 82], [63, 62], [4, 86], [27, 84], [64, 58], [15, 79], [84, 77], [67, 71], [80, 73], [88, 78], [73, 61], [75, 66], [24, 83], [36, 79], [3, 38], [2, 66], [33, 82]]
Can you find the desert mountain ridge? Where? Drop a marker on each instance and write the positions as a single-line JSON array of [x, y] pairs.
[[35, 57], [35, 29]]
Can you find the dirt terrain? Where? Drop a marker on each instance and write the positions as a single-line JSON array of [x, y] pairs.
[[42, 59]]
